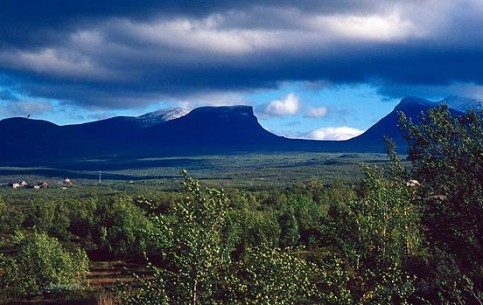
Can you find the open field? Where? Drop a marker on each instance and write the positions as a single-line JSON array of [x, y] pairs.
[[246, 171]]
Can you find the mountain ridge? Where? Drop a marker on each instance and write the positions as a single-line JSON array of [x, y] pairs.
[[203, 130]]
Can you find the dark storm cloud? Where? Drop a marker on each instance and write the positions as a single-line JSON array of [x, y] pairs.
[[120, 54]]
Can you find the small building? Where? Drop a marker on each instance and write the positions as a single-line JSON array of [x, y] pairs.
[[413, 183]]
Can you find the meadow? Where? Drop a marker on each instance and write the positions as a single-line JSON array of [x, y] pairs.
[[238, 170]]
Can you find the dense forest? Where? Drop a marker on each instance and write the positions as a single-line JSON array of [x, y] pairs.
[[401, 235]]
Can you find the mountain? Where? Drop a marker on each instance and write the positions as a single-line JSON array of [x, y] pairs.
[[208, 130], [211, 130], [373, 138], [204, 130], [19, 138]]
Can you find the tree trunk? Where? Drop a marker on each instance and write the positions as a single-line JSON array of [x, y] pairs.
[[195, 283]]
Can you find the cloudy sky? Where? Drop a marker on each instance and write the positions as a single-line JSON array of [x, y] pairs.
[[324, 69]]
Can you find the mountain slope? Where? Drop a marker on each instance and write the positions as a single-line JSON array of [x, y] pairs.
[[205, 130], [23, 138], [373, 138]]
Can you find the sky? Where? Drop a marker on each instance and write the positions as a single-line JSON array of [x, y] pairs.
[[319, 69]]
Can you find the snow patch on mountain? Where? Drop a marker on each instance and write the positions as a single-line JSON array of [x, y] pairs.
[[161, 116]]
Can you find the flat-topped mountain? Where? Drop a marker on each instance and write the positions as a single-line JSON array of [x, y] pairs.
[[204, 130], [209, 129]]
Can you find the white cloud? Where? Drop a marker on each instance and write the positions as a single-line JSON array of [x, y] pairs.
[[316, 112], [290, 105], [200, 35], [373, 28], [334, 133]]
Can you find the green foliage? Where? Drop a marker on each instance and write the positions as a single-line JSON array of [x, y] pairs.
[[8, 272], [308, 227], [42, 264], [11, 218], [151, 291], [379, 233], [120, 227], [250, 228], [334, 283], [195, 254], [271, 276], [289, 235], [445, 283], [387, 220], [208, 257], [49, 216], [83, 216], [3, 206], [447, 155]]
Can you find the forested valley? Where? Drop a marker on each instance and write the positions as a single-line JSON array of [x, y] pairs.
[[400, 235]]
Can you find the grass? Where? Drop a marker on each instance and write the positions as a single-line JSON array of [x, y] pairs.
[[243, 171]]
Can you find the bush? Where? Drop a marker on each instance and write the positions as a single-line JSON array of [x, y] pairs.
[[272, 276], [10, 218], [121, 228], [49, 216], [41, 265]]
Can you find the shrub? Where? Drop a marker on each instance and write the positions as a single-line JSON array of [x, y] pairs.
[[42, 265]]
